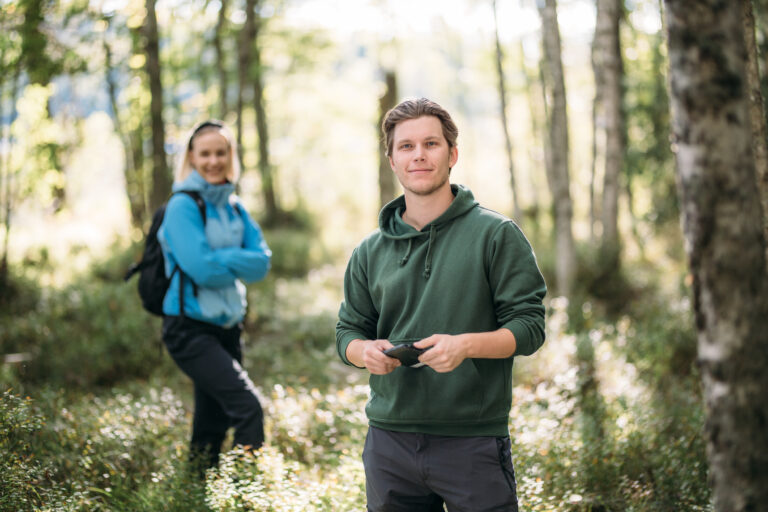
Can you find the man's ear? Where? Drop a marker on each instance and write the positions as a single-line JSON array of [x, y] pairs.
[[454, 156], [391, 163]]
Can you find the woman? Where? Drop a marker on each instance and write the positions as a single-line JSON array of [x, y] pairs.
[[208, 257]]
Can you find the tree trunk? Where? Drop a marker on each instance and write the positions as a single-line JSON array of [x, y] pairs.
[[503, 108], [8, 188], [253, 26], [756, 110], [220, 59], [161, 177], [536, 151], [608, 70], [4, 182], [558, 170], [386, 177], [244, 60], [725, 245], [131, 173], [596, 102]]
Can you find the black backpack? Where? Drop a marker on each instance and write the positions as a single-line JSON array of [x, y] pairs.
[[153, 284]]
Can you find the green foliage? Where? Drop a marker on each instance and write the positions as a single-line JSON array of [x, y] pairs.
[[291, 251], [18, 295], [22, 473], [607, 415], [92, 332], [290, 331], [87, 334], [317, 429], [37, 60], [269, 482], [121, 452], [640, 448], [601, 282], [294, 241], [649, 159], [35, 156], [661, 342]]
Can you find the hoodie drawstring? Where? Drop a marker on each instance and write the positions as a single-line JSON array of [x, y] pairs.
[[428, 262], [407, 253]]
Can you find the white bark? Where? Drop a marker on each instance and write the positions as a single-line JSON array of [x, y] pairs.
[[720, 206], [558, 173]]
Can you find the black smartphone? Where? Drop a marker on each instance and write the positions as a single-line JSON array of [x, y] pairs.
[[407, 354]]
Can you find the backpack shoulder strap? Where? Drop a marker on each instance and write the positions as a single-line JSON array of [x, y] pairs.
[[199, 201]]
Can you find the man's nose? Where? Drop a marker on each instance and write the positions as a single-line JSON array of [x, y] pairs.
[[418, 154]]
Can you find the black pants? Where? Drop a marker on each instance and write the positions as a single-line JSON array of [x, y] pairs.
[[408, 472], [224, 394]]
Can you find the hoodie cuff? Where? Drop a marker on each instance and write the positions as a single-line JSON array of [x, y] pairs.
[[343, 341], [525, 344]]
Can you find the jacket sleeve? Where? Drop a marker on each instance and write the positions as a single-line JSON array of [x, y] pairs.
[[518, 288], [358, 317], [184, 235], [252, 261]]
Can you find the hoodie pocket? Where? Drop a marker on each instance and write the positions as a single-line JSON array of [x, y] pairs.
[[422, 395]]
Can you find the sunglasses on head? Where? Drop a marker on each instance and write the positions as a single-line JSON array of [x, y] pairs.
[[202, 126]]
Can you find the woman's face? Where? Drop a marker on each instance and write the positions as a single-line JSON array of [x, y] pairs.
[[211, 157]]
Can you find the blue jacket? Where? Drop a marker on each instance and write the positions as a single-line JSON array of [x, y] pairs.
[[218, 255]]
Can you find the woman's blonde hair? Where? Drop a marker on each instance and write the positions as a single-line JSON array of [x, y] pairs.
[[184, 167]]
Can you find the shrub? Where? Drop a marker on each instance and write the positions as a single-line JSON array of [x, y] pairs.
[[22, 474], [314, 428], [88, 334], [269, 482], [108, 450]]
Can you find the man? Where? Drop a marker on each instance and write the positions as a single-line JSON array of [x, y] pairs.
[[462, 282]]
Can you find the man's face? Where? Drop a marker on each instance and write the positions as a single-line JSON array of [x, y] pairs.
[[421, 158]]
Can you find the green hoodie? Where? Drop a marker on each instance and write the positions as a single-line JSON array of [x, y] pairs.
[[469, 270]]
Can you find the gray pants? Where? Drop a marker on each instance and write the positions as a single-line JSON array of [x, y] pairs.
[[407, 472], [224, 394]]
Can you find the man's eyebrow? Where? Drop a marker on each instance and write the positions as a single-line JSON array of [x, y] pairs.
[[408, 139]]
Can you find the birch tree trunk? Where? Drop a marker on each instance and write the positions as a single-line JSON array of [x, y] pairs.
[[517, 212], [608, 70], [726, 249], [161, 177], [756, 110], [386, 177], [558, 173]]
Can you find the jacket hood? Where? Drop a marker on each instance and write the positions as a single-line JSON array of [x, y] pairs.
[[392, 225], [217, 195]]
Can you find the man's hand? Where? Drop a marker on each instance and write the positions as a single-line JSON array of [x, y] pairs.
[[446, 354], [370, 354]]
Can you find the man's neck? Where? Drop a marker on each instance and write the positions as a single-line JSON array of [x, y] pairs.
[[421, 210]]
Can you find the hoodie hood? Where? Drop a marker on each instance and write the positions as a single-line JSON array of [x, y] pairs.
[[392, 225], [217, 195]]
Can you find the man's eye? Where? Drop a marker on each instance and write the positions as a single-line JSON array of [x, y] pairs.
[[405, 146], [431, 143]]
